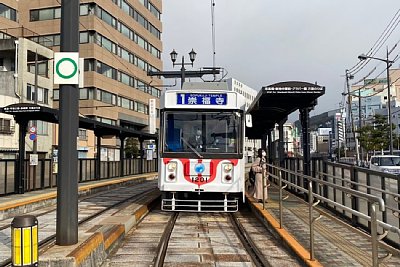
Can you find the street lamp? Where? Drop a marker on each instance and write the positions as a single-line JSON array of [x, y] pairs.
[[388, 64], [192, 57], [183, 72]]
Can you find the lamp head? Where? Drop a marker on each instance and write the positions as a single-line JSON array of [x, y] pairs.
[[173, 55], [362, 57], [192, 55]]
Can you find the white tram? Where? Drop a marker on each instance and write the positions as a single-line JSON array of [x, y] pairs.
[[201, 163]]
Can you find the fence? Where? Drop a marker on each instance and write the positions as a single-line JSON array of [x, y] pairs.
[[41, 176], [343, 177]]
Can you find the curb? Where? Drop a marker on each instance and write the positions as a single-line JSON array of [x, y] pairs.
[[282, 234]]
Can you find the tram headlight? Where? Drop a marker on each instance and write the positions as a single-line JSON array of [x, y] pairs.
[[171, 166], [228, 167]]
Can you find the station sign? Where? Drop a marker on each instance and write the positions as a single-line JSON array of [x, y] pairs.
[[20, 109], [66, 68], [201, 99]]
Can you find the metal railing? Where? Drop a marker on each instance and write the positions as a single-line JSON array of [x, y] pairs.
[[44, 175], [380, 184], [284, 178]]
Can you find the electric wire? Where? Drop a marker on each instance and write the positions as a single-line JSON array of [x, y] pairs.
[[378, 43]]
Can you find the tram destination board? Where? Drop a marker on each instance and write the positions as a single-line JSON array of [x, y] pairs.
[[201, 99]]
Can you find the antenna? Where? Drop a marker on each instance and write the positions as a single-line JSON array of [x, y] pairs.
[[213, 32]]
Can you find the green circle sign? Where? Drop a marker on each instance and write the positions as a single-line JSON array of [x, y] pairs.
[[68, 75]]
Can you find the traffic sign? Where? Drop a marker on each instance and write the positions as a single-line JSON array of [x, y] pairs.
[[32, 129], [32, 136], [66, 70]]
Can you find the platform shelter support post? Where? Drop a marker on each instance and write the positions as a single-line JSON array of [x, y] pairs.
[[141, 167], [98, 157], [281, 150], [20, 171], [305, 121], [121, 155]]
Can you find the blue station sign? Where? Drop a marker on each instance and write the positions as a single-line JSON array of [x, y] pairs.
[[201, 99]]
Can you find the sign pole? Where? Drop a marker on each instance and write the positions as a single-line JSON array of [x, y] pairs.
[[67, 184]]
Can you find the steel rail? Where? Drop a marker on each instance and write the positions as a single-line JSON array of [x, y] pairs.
[[163, 245], [251, 248]]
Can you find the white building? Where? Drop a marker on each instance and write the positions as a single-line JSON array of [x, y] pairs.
[[250, 94], [289, 138]]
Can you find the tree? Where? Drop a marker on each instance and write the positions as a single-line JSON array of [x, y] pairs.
[[131, 147], [375, 136]]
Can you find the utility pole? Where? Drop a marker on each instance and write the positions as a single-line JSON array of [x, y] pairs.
[[350, 115], [388, 64]]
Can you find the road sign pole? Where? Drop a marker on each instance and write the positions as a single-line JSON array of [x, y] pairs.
[[67, 183]]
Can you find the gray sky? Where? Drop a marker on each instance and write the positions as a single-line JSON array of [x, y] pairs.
[[261, 42]]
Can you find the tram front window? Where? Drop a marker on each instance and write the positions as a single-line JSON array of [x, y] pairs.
[[209, 132]]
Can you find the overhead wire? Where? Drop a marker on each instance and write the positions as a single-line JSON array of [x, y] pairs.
[[379, 42]]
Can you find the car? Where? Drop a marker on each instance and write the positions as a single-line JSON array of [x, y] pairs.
[[385, 163]]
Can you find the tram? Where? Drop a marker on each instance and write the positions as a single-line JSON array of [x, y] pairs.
[[201, 163]]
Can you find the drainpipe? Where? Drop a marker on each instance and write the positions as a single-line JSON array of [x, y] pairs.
[[16, 70]]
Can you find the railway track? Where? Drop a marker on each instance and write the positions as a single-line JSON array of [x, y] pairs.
[[90, 209], [200, 239]]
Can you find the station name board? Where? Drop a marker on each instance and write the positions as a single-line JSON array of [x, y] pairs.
[[17, 109], [201, 99]]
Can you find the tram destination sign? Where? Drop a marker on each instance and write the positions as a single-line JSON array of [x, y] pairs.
[[201, 99]]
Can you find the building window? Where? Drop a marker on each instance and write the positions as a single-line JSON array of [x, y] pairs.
[[8, 12], [42, 68], [106, 97], [82, 134], [5, 126], [45, 14], [42, 96]]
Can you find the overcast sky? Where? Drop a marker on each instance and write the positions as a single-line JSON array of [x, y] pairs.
[[261, 42]]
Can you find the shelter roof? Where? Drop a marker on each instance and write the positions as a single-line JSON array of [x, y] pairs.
[[28, 111], [275, 102]]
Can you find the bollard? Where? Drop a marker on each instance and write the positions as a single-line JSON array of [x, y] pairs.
[[24, 241]]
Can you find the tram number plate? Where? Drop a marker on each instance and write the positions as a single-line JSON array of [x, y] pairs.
[[196, 179]]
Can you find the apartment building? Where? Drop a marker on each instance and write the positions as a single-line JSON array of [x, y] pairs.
[[17, 85], [120, 41]]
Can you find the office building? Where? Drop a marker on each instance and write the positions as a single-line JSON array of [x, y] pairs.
[[120, 41]]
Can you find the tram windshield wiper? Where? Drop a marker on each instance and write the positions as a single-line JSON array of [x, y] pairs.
[[192, 148]]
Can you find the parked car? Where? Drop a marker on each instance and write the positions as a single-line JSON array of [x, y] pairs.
[[385, 163]]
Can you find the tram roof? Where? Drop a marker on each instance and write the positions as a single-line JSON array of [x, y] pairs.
[[28, 111], [275, 102]]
